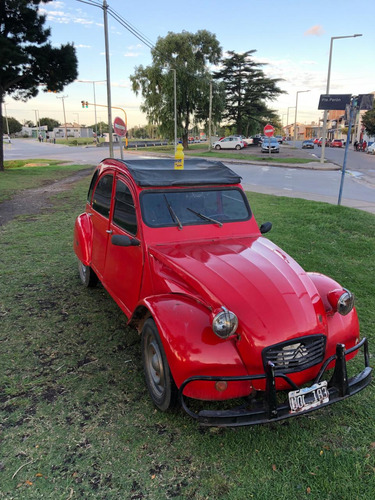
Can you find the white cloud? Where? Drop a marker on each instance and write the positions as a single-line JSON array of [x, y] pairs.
[[131, 54], [316, 30]]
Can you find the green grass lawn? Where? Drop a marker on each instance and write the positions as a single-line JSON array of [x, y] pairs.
[[201, 150], [75, 417], [24, 174]]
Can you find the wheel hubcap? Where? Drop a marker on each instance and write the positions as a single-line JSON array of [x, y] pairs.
[[155, 367]]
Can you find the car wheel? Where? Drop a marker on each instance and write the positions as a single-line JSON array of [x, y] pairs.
[[160, 383], [217, 146], [87, 275], [238, 147]]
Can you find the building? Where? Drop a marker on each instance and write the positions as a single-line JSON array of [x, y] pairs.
[[72, 130]]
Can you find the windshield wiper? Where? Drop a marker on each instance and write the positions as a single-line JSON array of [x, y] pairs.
[[173, 213], [205, 217]]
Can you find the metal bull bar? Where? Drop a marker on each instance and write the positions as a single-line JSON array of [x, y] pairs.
[[268, 410]]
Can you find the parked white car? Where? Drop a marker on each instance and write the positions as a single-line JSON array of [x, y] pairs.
[[371, 149], [229, 143]]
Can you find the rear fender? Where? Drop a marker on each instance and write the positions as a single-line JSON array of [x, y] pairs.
[[83, 238], [192, 348]]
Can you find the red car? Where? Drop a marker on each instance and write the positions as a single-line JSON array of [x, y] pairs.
[[223, 312], [319, 143], [336, 143]]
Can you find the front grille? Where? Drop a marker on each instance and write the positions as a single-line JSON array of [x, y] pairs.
[[297, 354]]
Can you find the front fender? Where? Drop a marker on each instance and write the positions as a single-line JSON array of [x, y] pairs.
[[340, 329], [192, 348], [83, 238]]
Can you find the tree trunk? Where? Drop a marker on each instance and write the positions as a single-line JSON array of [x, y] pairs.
[[1, 133]]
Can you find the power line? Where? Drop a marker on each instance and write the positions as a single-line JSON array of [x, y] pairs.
[[143, 38]]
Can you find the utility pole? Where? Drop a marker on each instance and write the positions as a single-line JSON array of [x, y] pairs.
[[210, 118], [109, 103], [66, 130]]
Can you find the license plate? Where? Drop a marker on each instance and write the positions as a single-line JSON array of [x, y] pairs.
[[309, 397]]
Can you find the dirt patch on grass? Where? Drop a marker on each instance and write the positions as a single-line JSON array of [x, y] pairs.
[[33, 201]]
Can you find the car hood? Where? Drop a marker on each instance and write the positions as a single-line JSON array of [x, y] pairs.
[[272, 296]]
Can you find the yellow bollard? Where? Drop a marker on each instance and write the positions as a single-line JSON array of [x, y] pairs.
[[179, 157]]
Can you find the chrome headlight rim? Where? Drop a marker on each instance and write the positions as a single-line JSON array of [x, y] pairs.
[[224, 323], [345, 302]]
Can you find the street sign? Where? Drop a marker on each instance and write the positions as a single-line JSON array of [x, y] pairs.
[[119, 126], [334, 101], [268, 130]]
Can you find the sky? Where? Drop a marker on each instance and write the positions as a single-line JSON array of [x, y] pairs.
[[292, 38]]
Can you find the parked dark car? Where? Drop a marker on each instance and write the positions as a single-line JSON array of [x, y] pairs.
[[308, 145]]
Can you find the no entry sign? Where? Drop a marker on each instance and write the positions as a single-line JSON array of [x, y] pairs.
[[268, 130], [119, 126]]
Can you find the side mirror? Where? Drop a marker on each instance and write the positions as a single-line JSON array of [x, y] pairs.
[[121, 240], [264, 228]]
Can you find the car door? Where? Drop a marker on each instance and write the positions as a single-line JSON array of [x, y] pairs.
[[99, 212], [225, 143], [124, 264]]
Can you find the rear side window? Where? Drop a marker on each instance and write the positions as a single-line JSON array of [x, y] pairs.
[[92, 184], [124, 213], [102, 195]]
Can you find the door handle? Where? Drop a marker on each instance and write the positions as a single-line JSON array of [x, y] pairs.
[[109, 231]]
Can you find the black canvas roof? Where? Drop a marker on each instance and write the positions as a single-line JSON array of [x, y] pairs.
[[161, 172]]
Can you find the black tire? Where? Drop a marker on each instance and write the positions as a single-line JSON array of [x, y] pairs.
[[87, 275], [238, 147], [159, 381], [217, 146]]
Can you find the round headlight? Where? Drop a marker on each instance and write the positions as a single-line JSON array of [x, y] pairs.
[[224, 323], [345, 303]]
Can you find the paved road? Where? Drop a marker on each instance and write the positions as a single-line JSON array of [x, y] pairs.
[[319, 185], [360, 164]]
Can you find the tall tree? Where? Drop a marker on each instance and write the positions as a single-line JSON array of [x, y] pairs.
[[13, 125], [247, 89], [368, 120], [50, 122], [188, 54], [27, 59]]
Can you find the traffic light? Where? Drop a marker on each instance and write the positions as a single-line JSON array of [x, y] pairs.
[[85, 104]]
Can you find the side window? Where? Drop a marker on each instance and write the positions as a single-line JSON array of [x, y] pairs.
[[92, 184], [102, 195], [124, 212]]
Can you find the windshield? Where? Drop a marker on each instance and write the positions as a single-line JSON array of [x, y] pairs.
[[182, 207]]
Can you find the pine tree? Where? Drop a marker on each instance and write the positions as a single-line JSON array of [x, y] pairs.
[[27, 60], [247, 89]]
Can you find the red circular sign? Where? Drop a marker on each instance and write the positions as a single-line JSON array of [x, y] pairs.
[[119, 126], [268, 130]]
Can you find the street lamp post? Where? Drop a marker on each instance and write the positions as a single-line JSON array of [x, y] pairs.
[[108, 72], [327, 92], [287, 117], [175, 108], [93, 85], [295, 116]]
